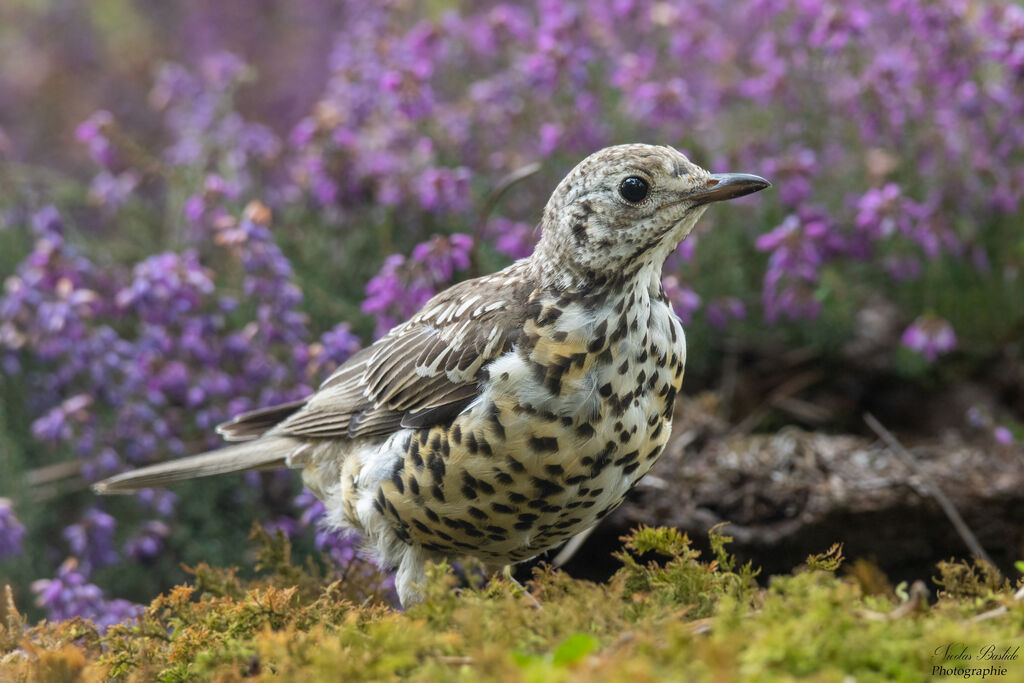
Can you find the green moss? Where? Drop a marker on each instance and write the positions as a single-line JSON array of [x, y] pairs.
[[667, 614]]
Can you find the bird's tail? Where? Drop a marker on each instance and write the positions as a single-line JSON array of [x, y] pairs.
[[261, 454]]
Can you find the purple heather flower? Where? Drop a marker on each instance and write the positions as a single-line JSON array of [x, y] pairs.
[[514, 239], [111, 190], [684, 300], [222, 70], [902, 268], [880, 211], [11, 530], [47, 223], [442, 256], [70, 595], [93, 133], [1003, 435], [722, 310], [340, 343], [403, 285], [160, 501], [92, 539], [793, 173], [148, 542], [930, 336], [341, 547], [289, 526], [444, 189]]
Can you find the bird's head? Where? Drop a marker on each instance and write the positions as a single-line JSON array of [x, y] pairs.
[[623, 209]]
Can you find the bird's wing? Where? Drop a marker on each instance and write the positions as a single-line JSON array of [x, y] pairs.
[[423, 372]]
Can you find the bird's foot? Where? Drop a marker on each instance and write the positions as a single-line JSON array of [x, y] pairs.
[[507, 573]]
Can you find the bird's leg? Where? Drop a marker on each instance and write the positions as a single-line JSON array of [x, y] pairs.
[[506, 571]]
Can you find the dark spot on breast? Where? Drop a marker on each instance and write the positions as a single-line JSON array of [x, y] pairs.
[[554, 470], [477, 512], [670, 399], [502, 508], [627, 458], [414, 454], [436, 466], [579, 231], [543, 444], [598, 337], [546, 487]]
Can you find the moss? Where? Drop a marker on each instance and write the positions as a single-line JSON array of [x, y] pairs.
[[667, 614]]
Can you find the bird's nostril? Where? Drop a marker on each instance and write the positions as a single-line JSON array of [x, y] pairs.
[[712, 182]]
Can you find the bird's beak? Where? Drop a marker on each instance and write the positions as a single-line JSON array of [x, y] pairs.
[[722, 186]]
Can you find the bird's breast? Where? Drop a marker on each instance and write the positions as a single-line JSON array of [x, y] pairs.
[[566, 424]]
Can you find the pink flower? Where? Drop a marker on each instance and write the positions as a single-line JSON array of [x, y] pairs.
[[684, 300], [930, 336]]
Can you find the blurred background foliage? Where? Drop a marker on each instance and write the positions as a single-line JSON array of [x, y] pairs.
[[205, 207]]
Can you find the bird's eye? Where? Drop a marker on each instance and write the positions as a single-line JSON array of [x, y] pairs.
[[634, 189]]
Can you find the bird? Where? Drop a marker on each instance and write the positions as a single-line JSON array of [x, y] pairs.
[[514, 410]]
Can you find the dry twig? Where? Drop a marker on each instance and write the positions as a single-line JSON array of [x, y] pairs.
[[927, 488]]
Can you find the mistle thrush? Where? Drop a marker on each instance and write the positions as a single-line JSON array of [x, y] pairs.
[[514, 410]]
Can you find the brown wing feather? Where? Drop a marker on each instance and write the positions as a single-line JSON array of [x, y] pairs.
[[254, 423], [423, 372]]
